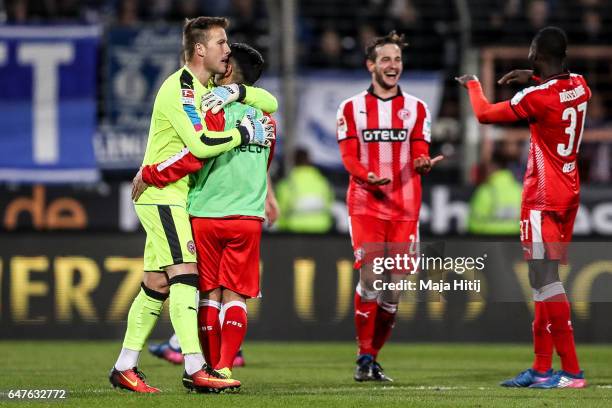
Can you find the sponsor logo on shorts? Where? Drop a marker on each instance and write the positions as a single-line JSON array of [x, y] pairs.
[[191, 247]]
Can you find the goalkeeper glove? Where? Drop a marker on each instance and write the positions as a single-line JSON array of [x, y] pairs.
[[220, 96], [257, 131]]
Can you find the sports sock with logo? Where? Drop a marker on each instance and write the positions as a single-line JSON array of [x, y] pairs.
[[365, 319], [559, 314], [143, 315], [542, 339], [210, 330], [385, 320], [184, 318], [233, 330]]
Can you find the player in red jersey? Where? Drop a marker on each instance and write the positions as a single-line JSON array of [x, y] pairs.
[[555, 109], [384, 136]]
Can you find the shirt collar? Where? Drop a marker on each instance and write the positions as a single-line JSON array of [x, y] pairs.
[[562, 75], [196, 81], [371, 92]]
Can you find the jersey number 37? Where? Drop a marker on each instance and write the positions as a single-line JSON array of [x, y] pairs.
[[572, 115]]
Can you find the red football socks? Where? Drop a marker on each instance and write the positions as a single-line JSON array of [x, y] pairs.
[[365, 319], [232, 333], [385, 320], [559, 314], [542, 339], [210, 331]]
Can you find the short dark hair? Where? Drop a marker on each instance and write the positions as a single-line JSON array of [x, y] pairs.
[[392, 38], [195, 30], [301, 157], [249, 62], [551, 42]]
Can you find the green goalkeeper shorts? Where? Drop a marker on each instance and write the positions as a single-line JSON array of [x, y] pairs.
[[169, 238]]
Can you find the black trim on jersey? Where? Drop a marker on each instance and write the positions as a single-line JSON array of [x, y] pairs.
[[515, 111], [153, 293], [214, 141], [186, 80], [371, 92], [167, 221], [241, 92], [190, 279]]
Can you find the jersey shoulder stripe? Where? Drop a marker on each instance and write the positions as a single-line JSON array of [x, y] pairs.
[[415, 99], [523, 93], [352, 98], [188, 99]]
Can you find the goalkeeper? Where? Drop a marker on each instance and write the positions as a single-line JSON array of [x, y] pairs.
[[226, 219], [170, 254]]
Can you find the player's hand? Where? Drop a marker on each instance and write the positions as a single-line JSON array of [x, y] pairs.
[[464, 79], [517, 76], [377, 181], [272, 210], [220, 96], [257, 131], [423, 164], [138, 186]]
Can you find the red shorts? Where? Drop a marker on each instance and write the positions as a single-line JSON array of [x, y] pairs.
[[367, 230], [546, 234], [228, 254]]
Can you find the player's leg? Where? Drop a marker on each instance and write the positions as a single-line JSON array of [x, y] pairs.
[[142, 317], [557, 229], [210, 325], [170, 350], [234, 329], [207, 242], [364, 232], [176, 252], [402, 238], [534, 251], [239, 276]]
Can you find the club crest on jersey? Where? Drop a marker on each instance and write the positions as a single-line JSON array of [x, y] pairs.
[[187, 97], [191, 247], [384, 135], [403, 114], [341, 124]]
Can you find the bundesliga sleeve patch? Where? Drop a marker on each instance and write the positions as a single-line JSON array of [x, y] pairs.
[[187, 97], [341, 127], [188, 101]]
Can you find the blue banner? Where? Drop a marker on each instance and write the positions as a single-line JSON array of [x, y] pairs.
[[138, 60], [48, 103]]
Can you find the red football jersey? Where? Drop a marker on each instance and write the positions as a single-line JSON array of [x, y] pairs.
[[556, 110], [385, 129]]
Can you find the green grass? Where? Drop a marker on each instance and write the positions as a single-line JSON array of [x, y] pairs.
[[306, 374]]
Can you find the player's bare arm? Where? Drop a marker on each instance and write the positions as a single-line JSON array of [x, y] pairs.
[[516, 77], [272, 209]]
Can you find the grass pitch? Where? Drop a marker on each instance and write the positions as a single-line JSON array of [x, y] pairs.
[[305, 374]]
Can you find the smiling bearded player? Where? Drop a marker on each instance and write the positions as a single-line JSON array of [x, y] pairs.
[[384, 137]]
